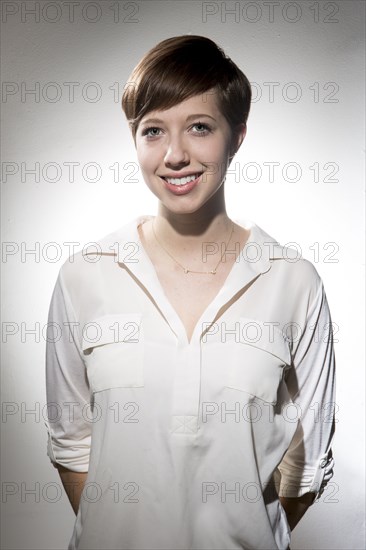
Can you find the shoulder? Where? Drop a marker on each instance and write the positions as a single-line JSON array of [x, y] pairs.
[[299, 277], [293, 271], [87, 264]]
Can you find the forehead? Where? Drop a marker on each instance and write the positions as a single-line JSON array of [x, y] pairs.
[[201, 104]]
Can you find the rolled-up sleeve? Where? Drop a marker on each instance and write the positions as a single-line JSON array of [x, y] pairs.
[[307, 466], [68, 395]]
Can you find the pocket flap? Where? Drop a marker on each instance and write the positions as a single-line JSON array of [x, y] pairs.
[[112, 328], [261, 355], [114, 350], [265, 336]]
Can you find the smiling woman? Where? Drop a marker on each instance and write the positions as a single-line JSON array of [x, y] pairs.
[[186, 153], [202, 354]]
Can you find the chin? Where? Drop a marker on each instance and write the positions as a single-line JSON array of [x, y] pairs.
[[176, 209]]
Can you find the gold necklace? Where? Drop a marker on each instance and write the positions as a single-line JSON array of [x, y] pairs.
[[213, 271]]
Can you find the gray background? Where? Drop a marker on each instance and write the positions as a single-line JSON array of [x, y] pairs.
[[310, 56]]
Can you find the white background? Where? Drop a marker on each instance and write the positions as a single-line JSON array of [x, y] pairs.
[[310, 54]]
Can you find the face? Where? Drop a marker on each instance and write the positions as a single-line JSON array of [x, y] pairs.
[[184, 152]]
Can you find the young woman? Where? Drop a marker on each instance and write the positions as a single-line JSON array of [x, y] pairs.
[[193, 378]]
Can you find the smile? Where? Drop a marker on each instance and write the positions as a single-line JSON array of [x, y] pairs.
[[182, 181]]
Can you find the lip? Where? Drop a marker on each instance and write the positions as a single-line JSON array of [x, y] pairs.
[[182, 189], [183, 175]]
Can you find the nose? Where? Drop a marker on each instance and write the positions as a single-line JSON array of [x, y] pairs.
[[176, 154]]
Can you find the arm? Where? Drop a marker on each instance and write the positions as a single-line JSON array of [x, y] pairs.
[[307, 466], [73, 483], [69, 431], [295, 508]]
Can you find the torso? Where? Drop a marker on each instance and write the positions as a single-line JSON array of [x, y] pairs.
[[190, 293]]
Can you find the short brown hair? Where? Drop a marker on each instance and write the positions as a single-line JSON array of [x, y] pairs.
[[181, 67]]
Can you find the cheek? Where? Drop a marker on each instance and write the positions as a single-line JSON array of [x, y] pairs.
[[147, 167], [144, 159], [216, 149], [148, 154], [217, 155]]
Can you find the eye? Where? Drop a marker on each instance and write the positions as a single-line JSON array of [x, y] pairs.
[[149, 131], [204, 128]]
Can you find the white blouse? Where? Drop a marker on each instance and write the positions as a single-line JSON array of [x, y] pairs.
[[188, 445]]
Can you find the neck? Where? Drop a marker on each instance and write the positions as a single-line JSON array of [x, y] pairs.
[[187, 231]]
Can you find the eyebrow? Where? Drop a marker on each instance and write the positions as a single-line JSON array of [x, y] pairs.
[[190, 117]]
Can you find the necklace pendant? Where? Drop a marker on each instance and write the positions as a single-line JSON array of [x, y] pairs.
[[213, 272], [186, 270]]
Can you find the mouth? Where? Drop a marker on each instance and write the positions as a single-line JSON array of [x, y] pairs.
[[182, 186], [182, 180]]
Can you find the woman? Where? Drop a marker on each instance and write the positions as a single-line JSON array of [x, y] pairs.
[[200, 364]]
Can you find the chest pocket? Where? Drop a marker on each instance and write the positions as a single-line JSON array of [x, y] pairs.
[[261, 356], [114, 351]]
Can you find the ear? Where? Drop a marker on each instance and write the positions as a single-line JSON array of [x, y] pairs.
[[239, 134]]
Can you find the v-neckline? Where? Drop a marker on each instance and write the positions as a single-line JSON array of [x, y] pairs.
[[162, 291]]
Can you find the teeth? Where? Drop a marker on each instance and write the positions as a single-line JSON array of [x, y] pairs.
[[181, 181]]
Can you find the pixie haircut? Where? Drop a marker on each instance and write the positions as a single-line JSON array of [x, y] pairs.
[[181, 67]]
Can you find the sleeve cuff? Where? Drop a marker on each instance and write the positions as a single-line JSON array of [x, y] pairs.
[[306, 480], [75, 458]]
